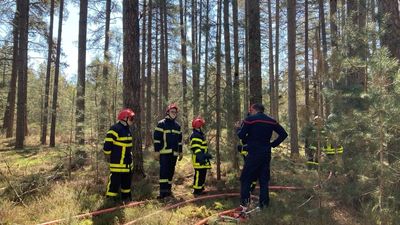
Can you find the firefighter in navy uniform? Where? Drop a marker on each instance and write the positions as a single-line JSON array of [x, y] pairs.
[[118, 151], [243, 150], [168, 148], [257, 130], [200, 156]]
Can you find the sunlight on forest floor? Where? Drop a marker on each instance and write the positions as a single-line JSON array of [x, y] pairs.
[[52, 185]]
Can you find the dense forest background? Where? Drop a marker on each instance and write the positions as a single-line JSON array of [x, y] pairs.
[[336, 61]]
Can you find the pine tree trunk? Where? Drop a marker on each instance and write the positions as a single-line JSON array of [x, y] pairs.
[[156, 67], [48, 74], [8, 120], [166, 72], [272, 97], [199, 45], [334, 39], [131, 78], [205, 105], [277, 38], [143, 65], [56, 76], [149, 118], [246, 58], [324, 49], [22, 72], [254, 51], [306, 76], [236, 88], [306, 63], [195, 75], [80, 93], [104, 121], [391, 38], [323, 32], [218, 89], [292, 107], [228, 88], [363, 46], [373, 18], [182, 23], [163, 99]]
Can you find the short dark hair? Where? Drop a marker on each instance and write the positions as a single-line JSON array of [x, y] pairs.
[[258, 107]]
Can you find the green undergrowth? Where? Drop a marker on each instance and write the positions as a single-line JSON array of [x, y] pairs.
[[43, 184]]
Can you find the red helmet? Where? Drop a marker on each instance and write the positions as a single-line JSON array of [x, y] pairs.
[[125, 113], [198, 122], [172, 106]]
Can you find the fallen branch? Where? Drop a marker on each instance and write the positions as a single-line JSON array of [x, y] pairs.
[[10, 185]]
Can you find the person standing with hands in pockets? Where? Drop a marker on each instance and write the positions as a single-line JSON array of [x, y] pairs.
[[256, 130]]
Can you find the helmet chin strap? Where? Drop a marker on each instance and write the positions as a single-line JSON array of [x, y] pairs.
[[169, 116], [125, 122]]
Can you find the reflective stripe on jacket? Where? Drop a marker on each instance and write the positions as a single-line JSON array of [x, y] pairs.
[[198, 146], [168, 137], [118, 144]]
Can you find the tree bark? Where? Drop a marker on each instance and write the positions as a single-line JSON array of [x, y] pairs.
[[207, 27], [182, 23], [228, 88], [391, 38], [48, 74], [23, 23], [306, 63], [323, 32], [80, 89], [148, 78], [156, 62], [218, 89], [166, 72], [246, 59], [104, 122], [8, 120], [277, 38], [334, 40], [306, 76], [254, 51], [143, 63], [292, 107], [272, 97], [131, 78], [195, 75], [56, 76], [236, 88]]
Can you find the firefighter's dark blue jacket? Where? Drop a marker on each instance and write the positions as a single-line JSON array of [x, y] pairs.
[[118, 144], [198, 145], [168, 137], [257, 130]]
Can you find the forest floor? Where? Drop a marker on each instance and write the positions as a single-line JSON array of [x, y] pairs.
[[40, 184]]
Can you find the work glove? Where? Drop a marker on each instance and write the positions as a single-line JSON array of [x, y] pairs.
[[180, 156], [200, 158], [207, 156], [157, 156]]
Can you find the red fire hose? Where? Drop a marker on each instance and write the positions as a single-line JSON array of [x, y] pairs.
[[134, 204]]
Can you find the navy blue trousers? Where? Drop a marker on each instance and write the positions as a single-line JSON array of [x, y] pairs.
[[167, 170], [119, 182], [256, 167]]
